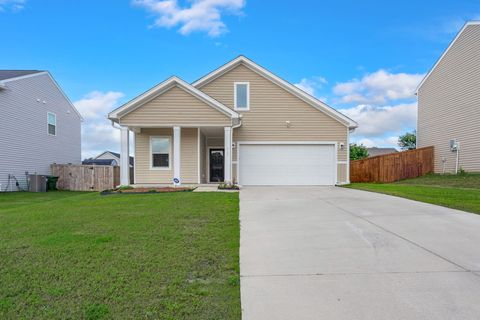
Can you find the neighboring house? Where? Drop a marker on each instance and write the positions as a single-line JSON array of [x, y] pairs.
[[239, 123], [449, 104], [39, 126], [374, 151], [100, 162], [110, 155]]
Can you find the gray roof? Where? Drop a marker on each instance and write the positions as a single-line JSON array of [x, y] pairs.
[[116, 154], [98, 162], [372, 152], [8, 74]]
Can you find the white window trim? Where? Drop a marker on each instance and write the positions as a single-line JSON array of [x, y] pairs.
[[49, 113], [235, 96], [169, 153]]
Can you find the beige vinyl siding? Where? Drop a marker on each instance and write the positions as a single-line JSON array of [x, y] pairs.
[[341, 172], [449, 104], [175, 107], [188, 157], [270, 107]]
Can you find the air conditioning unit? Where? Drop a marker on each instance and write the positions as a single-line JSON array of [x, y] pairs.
[[37, 183], [453, 145]]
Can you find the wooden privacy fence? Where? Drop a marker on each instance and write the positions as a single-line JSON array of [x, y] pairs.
[[393, 167], [86, 177]]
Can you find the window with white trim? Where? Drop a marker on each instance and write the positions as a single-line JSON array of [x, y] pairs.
[[52, 123], [160, 152], [242, 96]]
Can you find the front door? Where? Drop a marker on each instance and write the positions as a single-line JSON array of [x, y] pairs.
[[216, 165]]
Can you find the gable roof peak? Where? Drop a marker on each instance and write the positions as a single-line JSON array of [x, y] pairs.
[[163, 87], [255, 67], [465, 26]]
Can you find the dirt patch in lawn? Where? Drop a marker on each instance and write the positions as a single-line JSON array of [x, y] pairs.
[[146, 190]]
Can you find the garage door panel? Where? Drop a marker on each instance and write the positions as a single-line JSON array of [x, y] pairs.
[[287, 164]]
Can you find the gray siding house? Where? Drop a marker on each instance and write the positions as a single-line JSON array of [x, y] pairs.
[[39, 126], [449, 104]]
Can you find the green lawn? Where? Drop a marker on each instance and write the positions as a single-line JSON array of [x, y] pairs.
[[454, 191], [66, 255]]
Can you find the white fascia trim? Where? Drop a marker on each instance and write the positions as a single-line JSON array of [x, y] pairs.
[[25, 76], [2, 84], [469, 23], [279, 81], [164, 86]]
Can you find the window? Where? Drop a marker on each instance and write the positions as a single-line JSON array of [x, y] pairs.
[[242, 96], [160, 152], [52, 123]]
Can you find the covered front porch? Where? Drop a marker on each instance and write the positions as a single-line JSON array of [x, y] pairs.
[[178, 155]]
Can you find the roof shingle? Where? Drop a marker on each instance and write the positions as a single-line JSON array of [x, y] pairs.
[[9, 74]]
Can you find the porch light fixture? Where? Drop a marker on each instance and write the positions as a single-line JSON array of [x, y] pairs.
[[288, 124]]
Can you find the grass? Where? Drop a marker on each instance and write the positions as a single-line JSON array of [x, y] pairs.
[[67, 255], [454, 191]]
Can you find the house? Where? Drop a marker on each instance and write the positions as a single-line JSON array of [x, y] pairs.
[[100, 162], [374, 151], [39, 126], [239, 123], [449, 104], [110, 155]]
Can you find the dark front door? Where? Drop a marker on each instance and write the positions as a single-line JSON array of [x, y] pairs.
[[216, 165]]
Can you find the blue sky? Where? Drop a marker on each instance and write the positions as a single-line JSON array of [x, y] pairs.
[[364, 58]]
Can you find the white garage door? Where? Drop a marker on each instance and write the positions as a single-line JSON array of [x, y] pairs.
[[287, 164]]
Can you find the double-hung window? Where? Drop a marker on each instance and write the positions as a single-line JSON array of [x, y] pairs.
[[242, 96], [52, 124], [160, 149]]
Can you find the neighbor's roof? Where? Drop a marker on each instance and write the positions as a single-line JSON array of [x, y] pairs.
[[99, 162], [372, 152], [9, 74], [13, 75], [466, 25], [115, 154]]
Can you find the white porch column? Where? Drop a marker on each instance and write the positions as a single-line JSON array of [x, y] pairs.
[[124, 157], [228, 155], [176, 154]]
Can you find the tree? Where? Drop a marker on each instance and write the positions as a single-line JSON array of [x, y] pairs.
[[408, 141], [358, 152]]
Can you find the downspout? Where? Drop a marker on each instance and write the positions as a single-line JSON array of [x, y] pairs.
[[113, 125], [239, 122], [456, 161]]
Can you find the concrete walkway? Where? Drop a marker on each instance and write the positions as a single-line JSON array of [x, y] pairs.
[[334, 253]]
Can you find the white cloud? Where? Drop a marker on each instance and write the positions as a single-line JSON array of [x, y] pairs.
[[378, 87], [98, 104], [311, 85], [201, 15], [377, 142], [13, 5], [98, 134], [378, 121]]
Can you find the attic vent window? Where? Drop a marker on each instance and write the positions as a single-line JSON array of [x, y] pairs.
[[242, 96]]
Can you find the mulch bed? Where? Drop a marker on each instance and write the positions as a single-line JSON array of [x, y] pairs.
[[146, 190]]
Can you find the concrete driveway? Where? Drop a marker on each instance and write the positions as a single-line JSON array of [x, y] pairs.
[[334, 253]]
